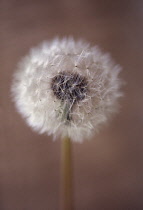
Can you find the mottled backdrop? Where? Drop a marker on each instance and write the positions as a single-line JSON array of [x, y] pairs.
[[108, 170]]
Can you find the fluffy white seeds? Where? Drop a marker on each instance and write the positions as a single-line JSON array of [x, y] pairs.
[[66, 88]]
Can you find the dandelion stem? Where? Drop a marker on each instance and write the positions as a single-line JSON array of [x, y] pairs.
[[66, 175]]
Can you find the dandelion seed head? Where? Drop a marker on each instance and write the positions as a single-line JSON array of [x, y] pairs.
[[66, 87]]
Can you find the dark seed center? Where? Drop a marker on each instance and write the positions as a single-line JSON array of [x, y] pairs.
[[69, 87]]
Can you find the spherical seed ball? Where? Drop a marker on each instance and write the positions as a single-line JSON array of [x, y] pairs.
[[66, 88]]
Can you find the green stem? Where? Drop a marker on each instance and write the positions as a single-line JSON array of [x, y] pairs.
[[66, 176]]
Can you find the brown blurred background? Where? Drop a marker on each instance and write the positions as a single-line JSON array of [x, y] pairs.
[[108, 170]]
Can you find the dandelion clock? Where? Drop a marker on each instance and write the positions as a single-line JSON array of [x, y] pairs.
[[67, 89]]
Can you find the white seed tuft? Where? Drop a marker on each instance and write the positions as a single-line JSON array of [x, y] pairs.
[[65, 87]]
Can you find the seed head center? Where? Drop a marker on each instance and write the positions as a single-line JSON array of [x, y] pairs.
[[70, 87]]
